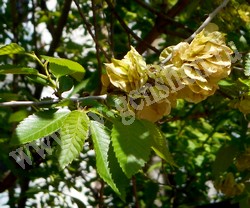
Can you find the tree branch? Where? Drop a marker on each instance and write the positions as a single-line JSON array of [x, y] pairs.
[[101, 199], [60, 25], [7, 181], [88, 27], [46, 102], [160, 23], [128, 30], [97, 46], [15, 20], [24, 183], [137, 204], [208, 20], [33, 20], [227, 204], [161, 15], [203, 25]]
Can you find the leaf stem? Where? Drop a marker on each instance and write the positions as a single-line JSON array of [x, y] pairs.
[[42, 76], [45, 67], [34, 56]]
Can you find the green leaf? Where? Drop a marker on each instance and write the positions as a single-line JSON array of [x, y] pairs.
[[101, 139], [224, 159], [120, 179], [78, 76], [59, 70], [247, 65], [18, 116], [159, 145], [132, 146], [245, 82], [65, 84], [8, 96], [12, 48], [245, 202], [11, 69], [39, 125], [73, 134], [226, 83], [60, 67], [36, 79]]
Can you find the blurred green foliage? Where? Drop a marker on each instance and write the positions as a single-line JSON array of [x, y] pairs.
[[205, 139]]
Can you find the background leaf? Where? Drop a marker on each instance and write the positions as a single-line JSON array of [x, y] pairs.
[[65, 83], [193, 132], [11, 69], [132, 146], [224, 159], [247, 65], [9, 96], [159, 142], [18, 116], [11, 48], [73, 134], [39, 125]]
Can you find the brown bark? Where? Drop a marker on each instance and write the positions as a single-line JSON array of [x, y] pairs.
[[60, 25]]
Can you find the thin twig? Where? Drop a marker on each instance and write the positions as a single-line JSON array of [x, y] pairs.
[[112, 34], [57, 34], [160, 24], [203, 25], [33, 19], [108, 25], [46, 102], [161, 14], [88, 27], [137, 204], [208, 20], [97, 46], [127, 29], [101, 199], [94, 192]]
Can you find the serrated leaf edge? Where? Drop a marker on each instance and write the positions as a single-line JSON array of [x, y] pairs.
[[108, 169], [67, 136], [31, 117], [119, 152]]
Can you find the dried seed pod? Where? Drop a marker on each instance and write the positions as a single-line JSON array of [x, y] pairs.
[[129, 73], [200, 64]]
